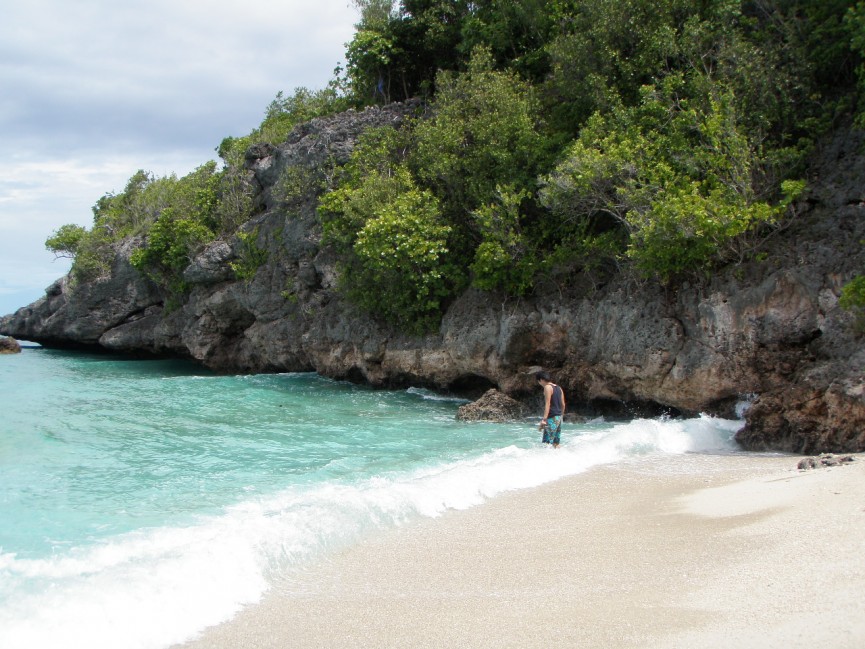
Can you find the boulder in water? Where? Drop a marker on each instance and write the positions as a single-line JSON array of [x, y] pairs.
[[9, 346], [492, 406]]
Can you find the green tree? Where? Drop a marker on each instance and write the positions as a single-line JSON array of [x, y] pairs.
[[506, 258], [173, 216], [250, 255], [186, 220], [430, 32], [92, 251], [171, 245], [674, 174], [133, 210], [375, 175], [402, 269], [66, 240], [115, 217], [480, 154], [606, 50], [483, 133], [394, 243], [516, 33], [854, 22], [373, 57], [398, 48], [853, 300]]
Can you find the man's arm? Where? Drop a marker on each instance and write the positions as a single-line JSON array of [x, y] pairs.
[[548, 395]]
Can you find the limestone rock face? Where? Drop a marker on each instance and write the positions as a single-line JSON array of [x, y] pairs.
[[67, 317], [834, 417], [770, 331]]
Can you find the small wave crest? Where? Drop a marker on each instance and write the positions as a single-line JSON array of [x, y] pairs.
[[429, 395], [156, 587]]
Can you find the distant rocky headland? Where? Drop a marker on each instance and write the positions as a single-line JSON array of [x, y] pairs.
[[769, 332]]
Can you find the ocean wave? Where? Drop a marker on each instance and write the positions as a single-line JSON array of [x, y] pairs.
[[155, 587], [429, 395]]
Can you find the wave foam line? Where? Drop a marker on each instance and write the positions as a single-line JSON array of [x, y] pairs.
[[158, 587]]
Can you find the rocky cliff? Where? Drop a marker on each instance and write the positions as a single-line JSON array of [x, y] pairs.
[[770, 331]]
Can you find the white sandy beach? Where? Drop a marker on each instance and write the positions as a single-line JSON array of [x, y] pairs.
[[692, 552]]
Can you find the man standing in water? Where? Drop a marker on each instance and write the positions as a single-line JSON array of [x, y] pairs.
[[554, 409]]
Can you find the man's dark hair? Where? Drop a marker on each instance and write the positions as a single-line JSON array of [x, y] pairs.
[[542, 376]]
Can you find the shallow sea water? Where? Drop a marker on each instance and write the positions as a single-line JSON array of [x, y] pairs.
[[141, 501]]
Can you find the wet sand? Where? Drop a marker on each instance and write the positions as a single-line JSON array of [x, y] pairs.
[[688, 552]]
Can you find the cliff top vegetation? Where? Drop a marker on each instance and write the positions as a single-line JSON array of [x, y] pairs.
[[662, 138]]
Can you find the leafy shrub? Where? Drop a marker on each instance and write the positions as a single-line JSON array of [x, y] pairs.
[[184, 220], [483, 134], [295, 183], [853, 300], [392, 237], [174, 216], [854, 21], [94, 256], [250, 258], [374, 176], [171, 244], [66, 240], [402, 271], [675, 174], [505, 258]]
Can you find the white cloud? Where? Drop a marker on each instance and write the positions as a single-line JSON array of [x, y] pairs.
[[97, 69], [38, 196], [95, 89]]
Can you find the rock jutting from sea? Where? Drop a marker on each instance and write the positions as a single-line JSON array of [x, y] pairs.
[[9, 346], [769, 331]]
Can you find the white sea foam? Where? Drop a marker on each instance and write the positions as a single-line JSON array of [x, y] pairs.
[[744, 403], [156, 587], [383, 460], [429, 395]]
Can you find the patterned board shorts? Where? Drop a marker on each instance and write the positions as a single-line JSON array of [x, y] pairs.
[[553, 430]]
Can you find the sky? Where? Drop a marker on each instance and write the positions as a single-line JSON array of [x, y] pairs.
[[93, 90]]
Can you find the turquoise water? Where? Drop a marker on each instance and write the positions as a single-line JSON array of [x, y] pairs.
[[137, 492]]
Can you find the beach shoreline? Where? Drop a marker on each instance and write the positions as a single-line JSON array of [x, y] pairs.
[[686, 551]]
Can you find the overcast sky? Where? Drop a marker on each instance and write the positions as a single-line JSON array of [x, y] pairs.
[[92, 90]]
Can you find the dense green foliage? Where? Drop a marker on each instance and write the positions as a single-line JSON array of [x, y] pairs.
[[176, 215], [250, 255], [393, 238], [675, 174], [853, 299], [662, 138], [484, 133], [66, 241]]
